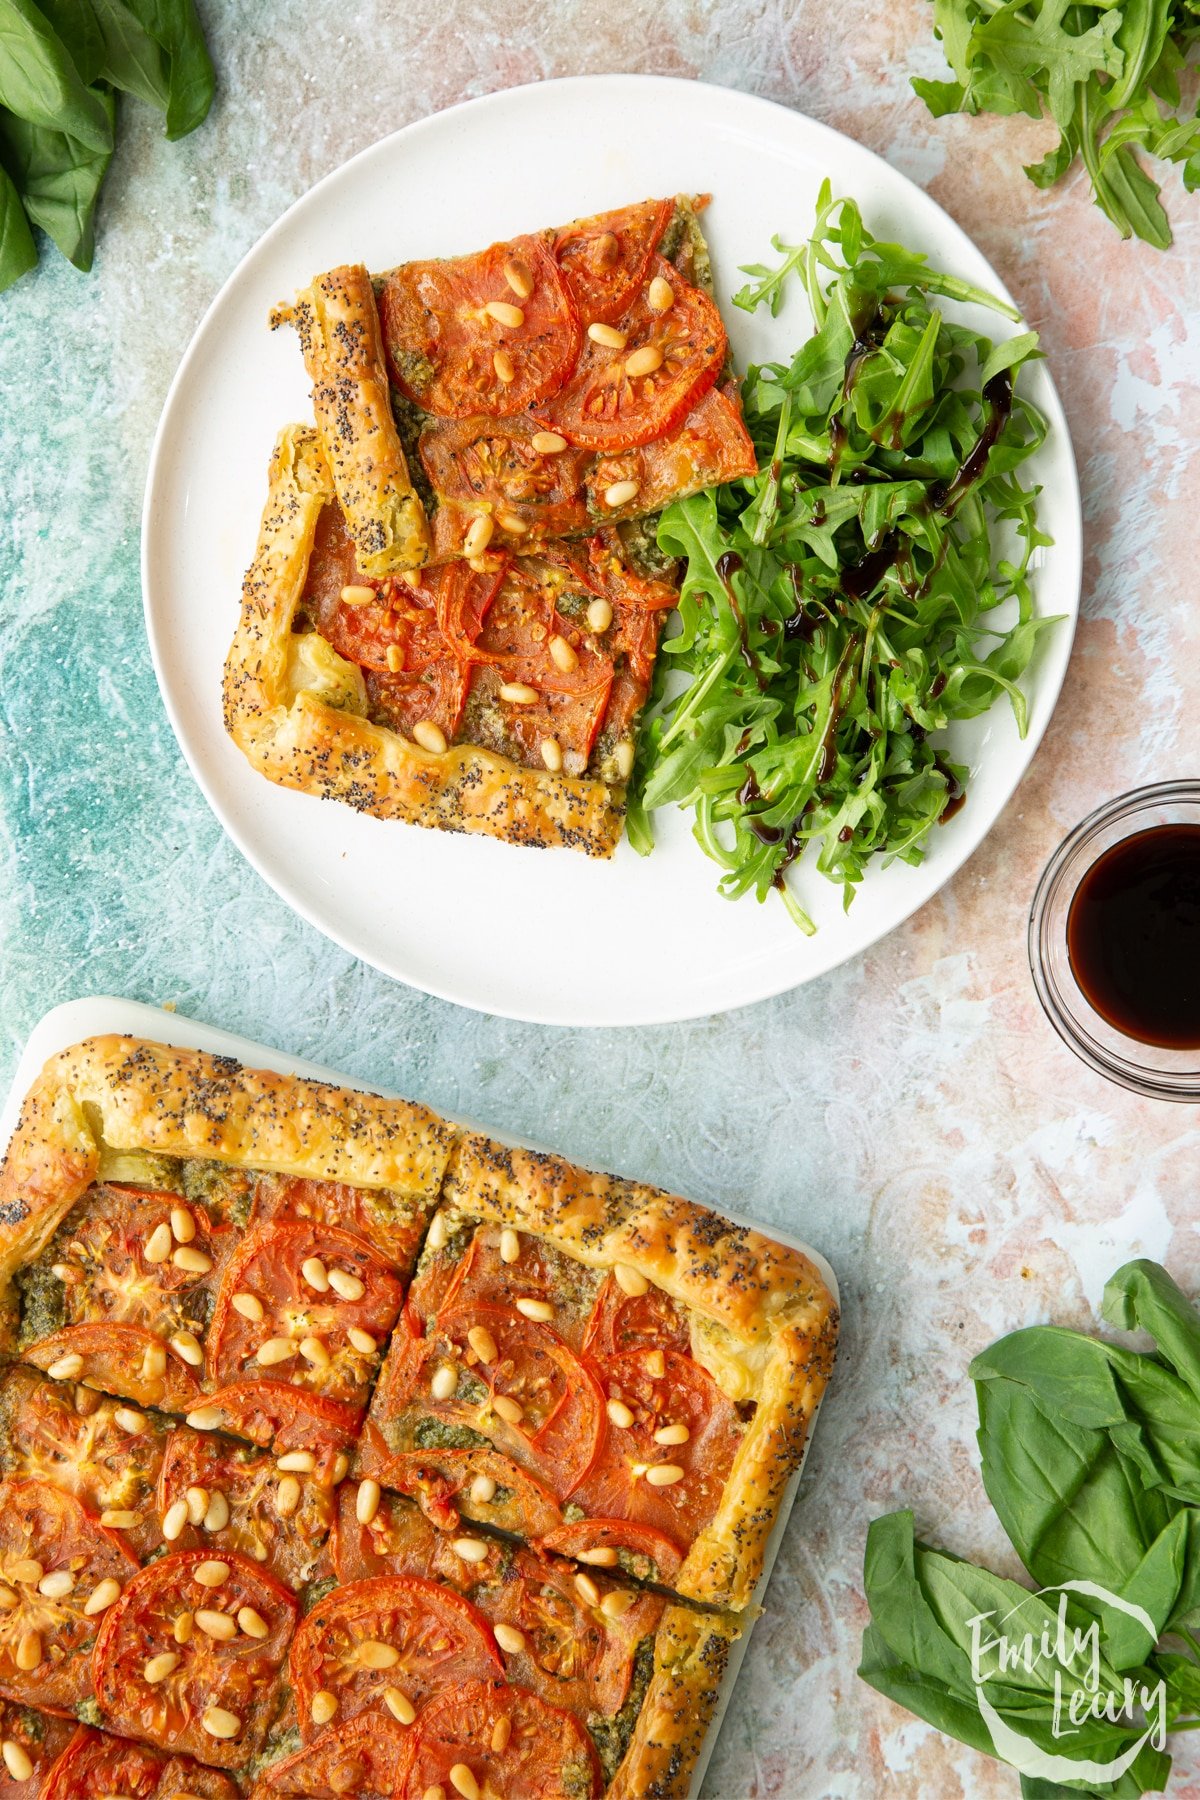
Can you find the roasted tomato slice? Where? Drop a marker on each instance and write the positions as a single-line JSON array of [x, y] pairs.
[[627, 393], [605, 258], [399, 1540], [537, 1273], [476, 1483], [45, 1639], [660, 1389], [305, 1303], [493, 466], [711, 446], [168, 1668], [275, 1416], [598, 565], [106, 1454], [573, 1652], [392, 1225], [364, 1758], [546, 1754], [229, 1496], [43, 1738], [622, 1321], [120, 1263], [126, 1360], [98, 1767], [395, 1632], [638, 1550], [461, 339]]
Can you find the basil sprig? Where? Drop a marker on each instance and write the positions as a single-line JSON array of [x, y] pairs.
[[1091, 1458]]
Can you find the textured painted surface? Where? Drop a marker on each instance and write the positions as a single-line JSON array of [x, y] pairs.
[[912, 1114]]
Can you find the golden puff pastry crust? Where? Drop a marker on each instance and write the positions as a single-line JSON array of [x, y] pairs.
[[764, 1323], [691, 1651], [295, 708], [338, 325]]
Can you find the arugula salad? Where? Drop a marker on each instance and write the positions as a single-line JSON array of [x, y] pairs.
[[869, 586], [1091, 1459]]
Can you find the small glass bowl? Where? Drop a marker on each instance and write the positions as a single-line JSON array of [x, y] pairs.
[[1159, 1074]]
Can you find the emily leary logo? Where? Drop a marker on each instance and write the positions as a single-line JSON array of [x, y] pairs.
[[1079, 1693]]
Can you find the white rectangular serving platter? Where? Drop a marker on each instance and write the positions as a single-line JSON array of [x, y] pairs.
[[76, 1020]]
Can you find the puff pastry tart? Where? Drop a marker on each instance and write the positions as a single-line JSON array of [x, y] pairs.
[[345, 1451]]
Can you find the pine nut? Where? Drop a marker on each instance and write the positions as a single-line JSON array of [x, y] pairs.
[[548, 443], [444, 1383], [602, 1557], [552, 756], [159, 1667], [66, 1368], [120, 1518], [504, 366], [193, 1260], [563, 654], [501, 1732], [541, 1310], [187, 1348], [510, 1245], [27, 1570], [252, 1623], [287, 1497], [661, 294], [431, 737], [275, 1350], [87, 1401], [672, 1434], [315, 1274], [374, 1655], [210, 1574], [216, 1625], [619, 1414], [587, 1590], [174, 1520], [483, 1490], [513, 523], [517, 275], [620, 493], [129, 1420], [608, 335], [16, 1760], [102, 1597], [216, 1516], [624, 759], [348, 1286], [57, 1585], [313, 1351], [205, 1418], [656, 1363], [296, 1462], [154, 1362], [518, 693], [630, 1281], [29, 1651], [618, 1603], [482, 1343], [509, 1638], [65, 1273], [394, 658], [183, 1226], [219, 1723], [157, 1247], [184, 1627], [249, 1305], [664, 1475], [341, 1468], [599, 615], [366, 1502], [197, 1504], [643, 361], [504, 314], [470, 1550], [511, 1411], [463, 1782], [478, 535], [399, 1705], [357, 595], [436, 1236]]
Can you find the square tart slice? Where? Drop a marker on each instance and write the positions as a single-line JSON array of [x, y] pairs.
[[649, 1366], [497, 697], [51, 1758], [554, 382]]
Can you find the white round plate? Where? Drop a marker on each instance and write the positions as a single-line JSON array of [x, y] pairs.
[[548, 936]]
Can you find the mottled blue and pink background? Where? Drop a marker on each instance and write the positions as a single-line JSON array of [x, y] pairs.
[[912, 1114]]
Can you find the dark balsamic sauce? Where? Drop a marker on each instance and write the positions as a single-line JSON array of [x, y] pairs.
[[1133, 936], [727, 566]]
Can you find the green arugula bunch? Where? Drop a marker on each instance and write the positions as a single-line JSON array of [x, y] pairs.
[[62, 63], [1107, 72], [1091, 1459], [842, 607]]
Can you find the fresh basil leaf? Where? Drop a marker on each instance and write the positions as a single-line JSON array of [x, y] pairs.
[[133, 60], [75, 23], [191, 80], [39, 81], [1141, 1296], [59, 181], [18, 252]]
